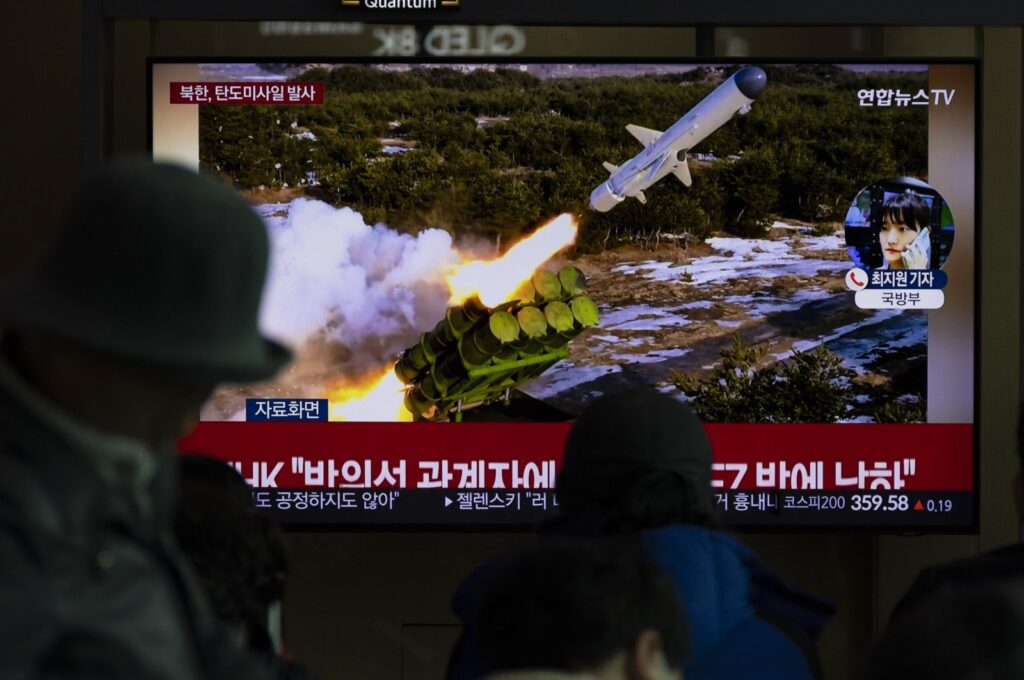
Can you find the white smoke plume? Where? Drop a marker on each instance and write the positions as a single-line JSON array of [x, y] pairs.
[[349, 296]]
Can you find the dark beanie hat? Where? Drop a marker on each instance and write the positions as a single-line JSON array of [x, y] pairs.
[[157, 264], [624, 446]]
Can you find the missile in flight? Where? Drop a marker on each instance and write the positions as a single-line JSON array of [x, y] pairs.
[[665, 152]]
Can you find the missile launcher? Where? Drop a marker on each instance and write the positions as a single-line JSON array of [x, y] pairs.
[[478, 355]]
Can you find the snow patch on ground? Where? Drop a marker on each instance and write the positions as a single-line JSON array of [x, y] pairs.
[[743, 258], [697, 304], [655, 357], [652, 324], [895, 330], [832, 242], [791, 227], [742, 247], [564, 376], [835, 334], [761, 305], [639, 318]]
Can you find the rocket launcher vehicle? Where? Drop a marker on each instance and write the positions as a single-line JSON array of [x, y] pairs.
[[477, 355]]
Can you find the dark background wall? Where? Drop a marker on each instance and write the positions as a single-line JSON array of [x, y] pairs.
[[375, 605], [41, 135]]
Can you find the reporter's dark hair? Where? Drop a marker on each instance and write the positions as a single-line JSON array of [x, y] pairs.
[[907, 208], [572, 605]]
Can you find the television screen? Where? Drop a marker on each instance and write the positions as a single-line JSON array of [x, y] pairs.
[[463, 255]]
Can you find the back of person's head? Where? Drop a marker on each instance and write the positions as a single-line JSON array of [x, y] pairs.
[[157, 265], [238, 554], [577, 606], [973, 633], [636, 460], [147, 297]]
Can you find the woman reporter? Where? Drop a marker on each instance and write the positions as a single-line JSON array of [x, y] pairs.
[[905, 235]]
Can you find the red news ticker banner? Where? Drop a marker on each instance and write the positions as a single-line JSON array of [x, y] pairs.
[[297, 455], [248, 93]]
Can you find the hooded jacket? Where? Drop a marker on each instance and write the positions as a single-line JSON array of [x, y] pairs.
[[745, 623], [640, 460]]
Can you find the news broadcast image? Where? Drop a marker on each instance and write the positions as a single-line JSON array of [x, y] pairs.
[[464, 255]]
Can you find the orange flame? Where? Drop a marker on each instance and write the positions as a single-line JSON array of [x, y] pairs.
[[380, 399], [495, 281]]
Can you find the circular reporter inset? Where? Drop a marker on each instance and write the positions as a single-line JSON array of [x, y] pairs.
[[899, 223]]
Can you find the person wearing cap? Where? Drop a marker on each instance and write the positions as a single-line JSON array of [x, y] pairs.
[[638, 465], [146, 299]]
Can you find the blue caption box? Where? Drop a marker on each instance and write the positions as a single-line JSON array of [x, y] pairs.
[[285, 410], [915, 279]]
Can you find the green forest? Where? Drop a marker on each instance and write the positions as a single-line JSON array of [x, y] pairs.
[[494, 152]]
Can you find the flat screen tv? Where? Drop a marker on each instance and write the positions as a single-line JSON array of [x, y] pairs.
[[464, 254]]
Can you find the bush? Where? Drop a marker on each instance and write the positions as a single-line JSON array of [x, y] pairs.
[[542, 153], [900, 412], [809, 387], [751, 193], [825, 228]]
